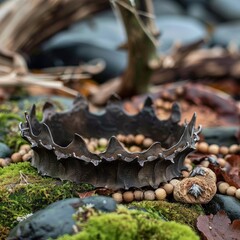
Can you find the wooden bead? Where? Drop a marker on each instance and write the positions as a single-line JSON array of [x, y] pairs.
[[203, 147], [118, 197], [149, 195], [138, 195], [223, 150], [2, 161], [26, 157], [185, 173], [205, 163], [159, 103], [213, 149], [233, 148], [187, 161], [237, 193], [25, 147], [222, 187], [174, 182], [22, 152], [135, 149], [231, 191], [130, 139], [128, 196], [139, 139], [120, 137], [189, 167], [5, 162], [16, 157], [102, 142], [168, 188], [160, 194], [147, 142], [221, 162]]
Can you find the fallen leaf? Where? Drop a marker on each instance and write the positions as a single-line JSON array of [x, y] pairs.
[[218, 227], [232, 174]]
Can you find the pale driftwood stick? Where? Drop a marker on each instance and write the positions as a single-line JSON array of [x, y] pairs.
[[24, 24]]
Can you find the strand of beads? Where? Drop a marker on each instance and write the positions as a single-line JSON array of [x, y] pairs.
[[204, 147], [139, 194], [225, 188], [132, 143], [24, 154]]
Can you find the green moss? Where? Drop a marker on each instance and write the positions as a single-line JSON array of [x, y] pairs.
[[179, 212], [130, 225], [24, 191]]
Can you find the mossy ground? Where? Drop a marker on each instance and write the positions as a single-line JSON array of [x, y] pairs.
[[24, 191], [129, 225], [179, 212]]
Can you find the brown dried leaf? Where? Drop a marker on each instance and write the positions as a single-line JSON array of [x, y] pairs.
[[218, 227], [231, 176]]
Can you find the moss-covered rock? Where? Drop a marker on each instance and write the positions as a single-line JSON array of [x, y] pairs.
[[129, 225], [179, 212], [24, 191]]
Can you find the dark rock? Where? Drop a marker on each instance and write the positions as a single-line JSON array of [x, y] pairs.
[[227, 33], [56, 219], [5, 151], [105, 204], [185, 30], [222, 202], [73, 54], [226, 9]]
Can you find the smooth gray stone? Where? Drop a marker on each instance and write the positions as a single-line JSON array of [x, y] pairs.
[[5, 151], [167, 7], [229, 204], [227, 33], [226, 9], [185, 30], [56, 219]]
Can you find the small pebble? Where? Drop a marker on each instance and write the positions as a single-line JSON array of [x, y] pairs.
[[128, 196], [168, 187], [147, 142], [237, 193], [25, 147], [26, 157], [102, 142], [118, 197], [139, 139], [234, 148], [202, 147], [160, 194], [138, 195], [213, 149], [16, 157], [222, 187], [149, 195], [223, 150], [231, 191]]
